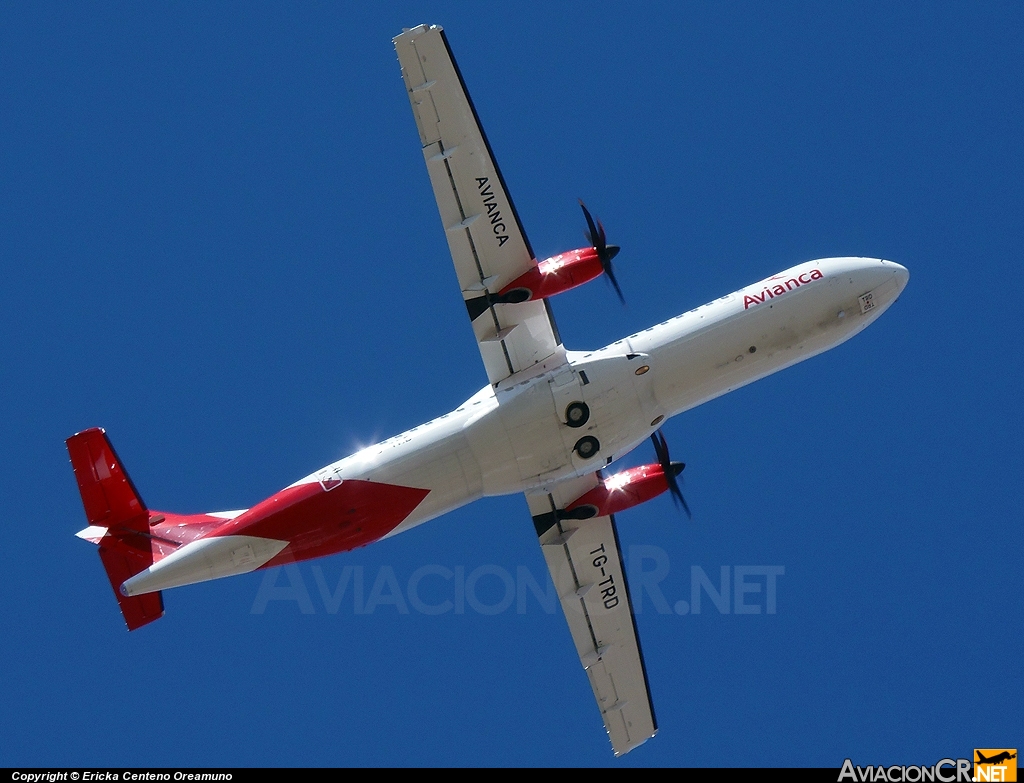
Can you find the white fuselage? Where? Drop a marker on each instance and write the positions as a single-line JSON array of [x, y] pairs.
[[509, 439], [514, 436]]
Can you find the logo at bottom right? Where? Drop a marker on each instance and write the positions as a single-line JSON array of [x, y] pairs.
[[995, 764]]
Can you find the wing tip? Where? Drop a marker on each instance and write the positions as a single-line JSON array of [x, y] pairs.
[[412, 32], [631, 745]]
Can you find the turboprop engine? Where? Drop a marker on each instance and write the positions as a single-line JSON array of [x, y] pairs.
[[557, 274], [630, 487]]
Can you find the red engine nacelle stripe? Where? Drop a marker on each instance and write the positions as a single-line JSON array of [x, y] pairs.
[[624, 490], [558, 273]]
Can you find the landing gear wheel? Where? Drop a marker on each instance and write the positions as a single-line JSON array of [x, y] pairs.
[[587, 447], [577, 414]]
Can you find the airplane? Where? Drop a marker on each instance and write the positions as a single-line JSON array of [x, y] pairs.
[[546, 424], [996, 759]]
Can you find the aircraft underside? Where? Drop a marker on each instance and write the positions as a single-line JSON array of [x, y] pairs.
[[548, 423]]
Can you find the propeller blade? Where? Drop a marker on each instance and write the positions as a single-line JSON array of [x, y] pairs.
[[671, 470], [677, 493], [660, 448], [592, 236], [686, 508], [614, 282], [605, 252]]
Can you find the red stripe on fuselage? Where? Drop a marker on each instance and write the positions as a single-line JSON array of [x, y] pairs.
[[317, 522]]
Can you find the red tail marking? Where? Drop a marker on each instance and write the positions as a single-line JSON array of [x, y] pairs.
[[111, 501]]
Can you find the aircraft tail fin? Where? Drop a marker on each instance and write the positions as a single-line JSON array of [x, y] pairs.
[[118, 521]]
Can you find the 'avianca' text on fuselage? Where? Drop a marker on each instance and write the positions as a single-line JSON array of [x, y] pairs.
[[772, 291]]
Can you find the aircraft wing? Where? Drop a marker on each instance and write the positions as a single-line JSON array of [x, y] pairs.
[[586, 568], [485, 237]]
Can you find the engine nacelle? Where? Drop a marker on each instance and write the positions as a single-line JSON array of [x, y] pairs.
[[554, 275], [549, 277], [619, 492]]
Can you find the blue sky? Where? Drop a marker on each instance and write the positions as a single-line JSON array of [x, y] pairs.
[[219, 242]]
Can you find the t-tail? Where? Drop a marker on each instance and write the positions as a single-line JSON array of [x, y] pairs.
[[118, 521]]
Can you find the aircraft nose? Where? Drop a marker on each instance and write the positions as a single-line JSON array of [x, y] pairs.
[[902, 275]]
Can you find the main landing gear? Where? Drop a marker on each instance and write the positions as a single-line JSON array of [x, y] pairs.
[[577, 414]]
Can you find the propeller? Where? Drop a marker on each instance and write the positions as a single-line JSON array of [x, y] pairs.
[[605, 252], [671, 470]]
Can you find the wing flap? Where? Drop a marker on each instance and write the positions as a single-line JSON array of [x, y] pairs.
[[585, 562]]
